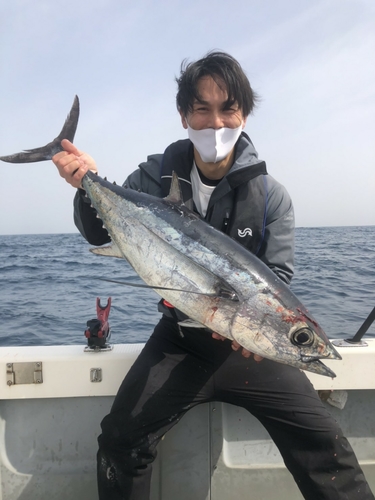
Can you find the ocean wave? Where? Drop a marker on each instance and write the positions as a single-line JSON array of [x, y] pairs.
[[47, 295]]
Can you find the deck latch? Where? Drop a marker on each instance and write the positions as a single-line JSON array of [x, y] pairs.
[[96, 375], [24, 373]]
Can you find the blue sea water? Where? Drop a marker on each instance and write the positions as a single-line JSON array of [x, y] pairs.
[[49, 286]]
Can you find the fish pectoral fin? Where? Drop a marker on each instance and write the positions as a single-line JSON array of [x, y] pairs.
[[190, 323], [108, 251], [228, 293], [49, 150]]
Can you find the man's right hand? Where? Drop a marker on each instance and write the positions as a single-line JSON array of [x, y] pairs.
[[73, 164], [236, 347]]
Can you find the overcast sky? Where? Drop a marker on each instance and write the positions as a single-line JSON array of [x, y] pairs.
[[312, 62]]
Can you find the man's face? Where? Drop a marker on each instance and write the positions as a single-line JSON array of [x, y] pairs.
[[211, 111]]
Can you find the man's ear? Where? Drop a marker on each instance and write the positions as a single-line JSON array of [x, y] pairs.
[[183, 120]]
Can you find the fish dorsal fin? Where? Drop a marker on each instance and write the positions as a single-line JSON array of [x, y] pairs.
[[175, 194]]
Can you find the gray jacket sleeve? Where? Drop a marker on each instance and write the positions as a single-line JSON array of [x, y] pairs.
[[277, 252], [87, 222], [147, 177]]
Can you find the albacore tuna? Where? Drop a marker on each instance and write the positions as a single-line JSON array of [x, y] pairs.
[[204, 273]]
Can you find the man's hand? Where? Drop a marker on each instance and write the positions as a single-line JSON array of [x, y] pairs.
[[236, 346], [73, 164]]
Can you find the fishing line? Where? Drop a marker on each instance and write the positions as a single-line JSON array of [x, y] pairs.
[[138, 285]]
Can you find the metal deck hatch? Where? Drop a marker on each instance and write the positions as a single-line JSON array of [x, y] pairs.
[[24, 373]]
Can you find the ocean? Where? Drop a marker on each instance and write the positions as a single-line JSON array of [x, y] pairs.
[[50, 282]]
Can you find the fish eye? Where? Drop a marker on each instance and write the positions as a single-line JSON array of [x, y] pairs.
[[302, 337]]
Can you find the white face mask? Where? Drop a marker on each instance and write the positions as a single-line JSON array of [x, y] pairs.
[[214, 145]]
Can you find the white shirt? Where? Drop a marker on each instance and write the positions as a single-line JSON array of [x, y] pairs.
[[201, 192]]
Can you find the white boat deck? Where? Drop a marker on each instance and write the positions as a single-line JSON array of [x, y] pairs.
[[48, 429]]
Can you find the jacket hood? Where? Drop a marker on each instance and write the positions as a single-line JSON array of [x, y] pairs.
[[246, 163]]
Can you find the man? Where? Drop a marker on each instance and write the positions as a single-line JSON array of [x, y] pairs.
[[222, 177]]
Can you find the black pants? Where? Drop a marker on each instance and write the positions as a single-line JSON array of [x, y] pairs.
[[174, 373]]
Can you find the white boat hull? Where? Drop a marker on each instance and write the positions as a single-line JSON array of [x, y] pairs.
[[48, 429]]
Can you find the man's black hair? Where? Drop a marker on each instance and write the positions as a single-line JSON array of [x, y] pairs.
[[228, 75]]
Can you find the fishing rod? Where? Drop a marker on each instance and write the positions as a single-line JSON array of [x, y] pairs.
[[363, 329]]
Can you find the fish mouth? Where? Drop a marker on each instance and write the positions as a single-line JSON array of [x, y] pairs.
[[320, 368], [331, 354]]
